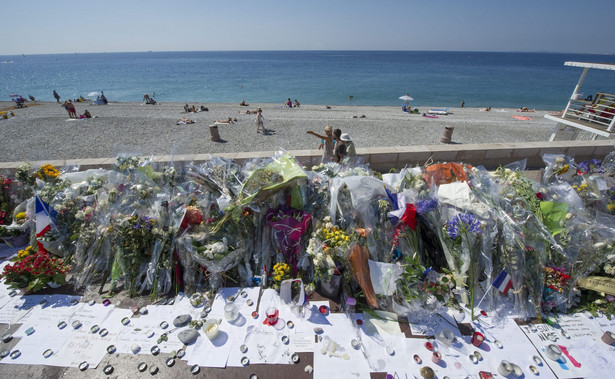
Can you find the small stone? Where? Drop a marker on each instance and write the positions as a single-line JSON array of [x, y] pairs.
[[125, 321], [149, 334], [135, 348], [94, 329], [318, 330], [171, 302], [103, 332], [29, 331], [143, 310], [180, 353], [188, 336], [244, 294], [284, 340], [308, 369], [390, 350], [47, 353], [153, 370], [295, 358], [62, 325], [111, 349], [83, 366], [170, 362], [7, 338], [4, 353], [164, 325], [91, 302], [182, 320], [243, 348], [195, 369], [76, 324], [245, 361], [142, 366], [249, 302], [155, 350]]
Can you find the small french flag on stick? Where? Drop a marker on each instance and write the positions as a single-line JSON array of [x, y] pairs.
[[45, 217], [503, 282]]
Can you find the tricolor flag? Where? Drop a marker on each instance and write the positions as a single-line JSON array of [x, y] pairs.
[[503, 282], [45, 216], [401, 210]]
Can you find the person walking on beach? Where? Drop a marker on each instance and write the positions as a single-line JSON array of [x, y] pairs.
[[463, 102], [260, 121], [55, 94], [327, 144]]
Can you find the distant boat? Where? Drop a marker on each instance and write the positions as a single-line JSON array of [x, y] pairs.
[[7, 61]]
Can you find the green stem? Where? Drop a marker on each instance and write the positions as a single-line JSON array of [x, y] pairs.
[[471, 275]]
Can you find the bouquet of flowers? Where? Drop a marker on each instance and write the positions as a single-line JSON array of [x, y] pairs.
[[288, 226], [281, 272], [328, 249], [34, 271]]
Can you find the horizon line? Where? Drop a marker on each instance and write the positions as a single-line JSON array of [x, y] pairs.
[[313, 50]]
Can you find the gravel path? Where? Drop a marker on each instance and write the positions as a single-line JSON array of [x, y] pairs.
[[44, 131]]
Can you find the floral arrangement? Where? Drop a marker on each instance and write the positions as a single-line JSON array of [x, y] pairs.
[[47, 173], [281, 272], [34, 271], [328, 249], [6, 203], [556, 283]]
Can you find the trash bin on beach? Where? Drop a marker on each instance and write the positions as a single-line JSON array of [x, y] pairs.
[[448, 133], [215, 136]]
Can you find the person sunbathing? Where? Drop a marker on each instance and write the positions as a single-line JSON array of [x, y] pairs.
[[184, 121], [525, 109], [227, 121], [243, 103]]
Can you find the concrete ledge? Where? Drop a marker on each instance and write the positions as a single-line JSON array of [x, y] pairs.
[[489, 155]]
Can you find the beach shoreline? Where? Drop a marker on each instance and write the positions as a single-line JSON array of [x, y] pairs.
[[45, 132]]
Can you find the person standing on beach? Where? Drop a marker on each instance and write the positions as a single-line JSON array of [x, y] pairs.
[[260, 121], [463, 102], [327, 154], [340, 146], [350, 149], [55, 94]]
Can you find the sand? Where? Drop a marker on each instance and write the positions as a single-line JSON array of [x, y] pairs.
[[45, 132]]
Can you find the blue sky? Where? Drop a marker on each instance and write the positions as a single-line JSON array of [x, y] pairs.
[[44, 26]]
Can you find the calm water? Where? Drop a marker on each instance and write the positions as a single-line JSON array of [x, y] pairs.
[[442, 79]]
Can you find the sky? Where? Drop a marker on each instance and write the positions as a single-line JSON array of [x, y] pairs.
[[47, 27]]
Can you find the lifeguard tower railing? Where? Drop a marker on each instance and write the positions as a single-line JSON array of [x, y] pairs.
[[595, 115]]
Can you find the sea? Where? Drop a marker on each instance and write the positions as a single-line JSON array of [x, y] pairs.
[[433, 78]]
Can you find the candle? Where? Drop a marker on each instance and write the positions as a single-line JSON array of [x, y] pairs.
[[211, 329]]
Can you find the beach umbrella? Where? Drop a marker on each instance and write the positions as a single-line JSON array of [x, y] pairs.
[[406, 98], [93, 94]]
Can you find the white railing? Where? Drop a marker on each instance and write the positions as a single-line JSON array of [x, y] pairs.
[[600, 111]]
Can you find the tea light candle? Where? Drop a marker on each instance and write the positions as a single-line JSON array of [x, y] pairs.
[[477, 339], [211, 329]]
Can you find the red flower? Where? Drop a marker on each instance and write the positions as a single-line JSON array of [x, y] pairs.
[[540, 195]]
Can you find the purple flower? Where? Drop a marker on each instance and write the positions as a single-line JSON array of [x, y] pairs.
[[463, 222], [424, 206]]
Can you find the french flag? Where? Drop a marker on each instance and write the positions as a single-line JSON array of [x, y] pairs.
[[503, 282], [401, 210], [45, 216]]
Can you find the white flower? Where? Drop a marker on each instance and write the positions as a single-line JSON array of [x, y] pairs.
[[80, 215], [330, 262], [568, 216], [560, 160]]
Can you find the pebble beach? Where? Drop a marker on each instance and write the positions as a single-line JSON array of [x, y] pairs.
[[43, 130]]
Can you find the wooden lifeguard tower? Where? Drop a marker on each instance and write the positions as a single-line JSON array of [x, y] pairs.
[[593, 114]]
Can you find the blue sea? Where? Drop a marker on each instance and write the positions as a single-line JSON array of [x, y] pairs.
[[481, 79]]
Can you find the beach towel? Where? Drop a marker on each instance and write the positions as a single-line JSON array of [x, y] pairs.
[[429, 116], [524, 118]]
